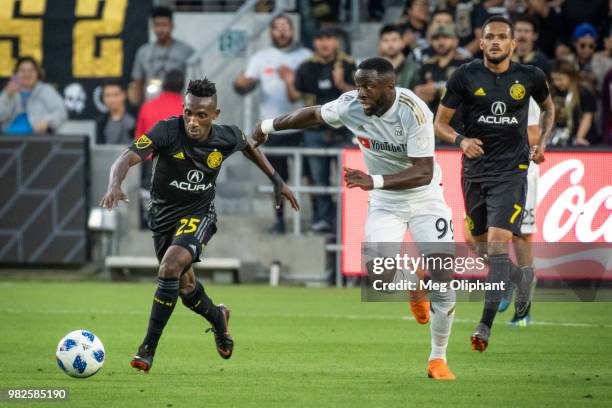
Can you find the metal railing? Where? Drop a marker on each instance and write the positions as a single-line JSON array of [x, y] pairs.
[[295, 183]]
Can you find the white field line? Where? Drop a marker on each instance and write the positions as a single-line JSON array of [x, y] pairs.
[[295, 316]]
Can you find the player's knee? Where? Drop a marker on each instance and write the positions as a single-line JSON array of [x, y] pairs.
[[170, 268]]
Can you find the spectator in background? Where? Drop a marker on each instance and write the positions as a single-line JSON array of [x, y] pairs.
[[575, 107], [321, 79], [413, 24], [168, 103], [436, 71], [440, 17], [116, 126], [469, 17], [602, 61], [154, 60], [27, 104], [606, 112], [585, 42], [526, 34], [576, 12], [267, 67], [548, 18], [391, 46]]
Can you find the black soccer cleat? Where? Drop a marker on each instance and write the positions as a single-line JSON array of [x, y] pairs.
[[480, 338], [223, 340], [143, 360]]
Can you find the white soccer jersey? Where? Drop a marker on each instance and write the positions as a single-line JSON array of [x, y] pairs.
[[533, 117], [387, 142]]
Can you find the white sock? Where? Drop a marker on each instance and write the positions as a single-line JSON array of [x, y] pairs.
[[443, 311]]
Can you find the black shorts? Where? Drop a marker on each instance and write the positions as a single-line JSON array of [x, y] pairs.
[[191, 232], [495, 204]]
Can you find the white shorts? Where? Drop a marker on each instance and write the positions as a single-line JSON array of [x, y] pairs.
[[529, 215], [429, 221]]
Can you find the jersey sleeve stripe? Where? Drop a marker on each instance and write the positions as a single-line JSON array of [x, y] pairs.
[[416, 110]]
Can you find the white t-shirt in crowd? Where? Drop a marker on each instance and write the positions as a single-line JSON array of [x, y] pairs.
[[405, 130], [263, 66]]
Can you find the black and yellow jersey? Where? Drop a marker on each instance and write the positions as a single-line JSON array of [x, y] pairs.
[[494, 108], [184, 170]]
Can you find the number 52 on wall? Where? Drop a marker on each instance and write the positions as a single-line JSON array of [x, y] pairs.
[[24, 28]]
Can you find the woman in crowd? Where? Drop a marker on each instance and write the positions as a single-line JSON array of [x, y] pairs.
[[575, 107], [27, 104]]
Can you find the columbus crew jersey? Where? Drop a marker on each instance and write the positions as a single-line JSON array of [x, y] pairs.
[[387, 142], [184, 170], [494, 109]]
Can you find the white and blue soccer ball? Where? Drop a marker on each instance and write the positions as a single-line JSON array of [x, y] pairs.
[[80, 354]]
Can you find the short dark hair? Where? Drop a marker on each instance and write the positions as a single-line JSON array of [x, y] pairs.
[[389, 28], [499, 19], [31, 60], [113, 82], [161, 11], [279, 17], [526, 18], [380, 65], [441, 11], [174, 81], [201, 88]]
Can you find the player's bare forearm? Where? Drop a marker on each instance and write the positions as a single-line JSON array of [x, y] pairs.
[[420, 174], [119, 171], [299, 119], [121, 166], [442, 127], [548, 121], [258, 158]]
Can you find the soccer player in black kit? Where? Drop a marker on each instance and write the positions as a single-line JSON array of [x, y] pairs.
[[187, 155], [493, 95]]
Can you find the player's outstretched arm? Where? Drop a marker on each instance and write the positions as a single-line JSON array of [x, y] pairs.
[[281, 189], [471, 146], [118, 172], [419, 174], [298, 119]]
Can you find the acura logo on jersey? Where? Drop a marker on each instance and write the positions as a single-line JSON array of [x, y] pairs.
[[195, 176], [498, 108]]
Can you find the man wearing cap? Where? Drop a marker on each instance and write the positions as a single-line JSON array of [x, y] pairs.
[[437, 70], [318, 80]]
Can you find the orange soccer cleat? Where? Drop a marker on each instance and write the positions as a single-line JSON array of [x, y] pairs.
[[438, 370], [419, 305]]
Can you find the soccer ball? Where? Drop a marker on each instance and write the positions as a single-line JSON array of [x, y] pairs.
[[80, 354]]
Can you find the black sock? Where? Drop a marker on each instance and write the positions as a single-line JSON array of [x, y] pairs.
[[499, 271], [164, 301], [200, 303], [516, 274]]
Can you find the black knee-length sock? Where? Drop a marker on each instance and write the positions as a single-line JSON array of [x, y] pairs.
[[164, 301], [201, 304], [499, 271]]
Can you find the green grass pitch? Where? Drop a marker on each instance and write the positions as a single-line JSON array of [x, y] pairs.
[[301, 347]]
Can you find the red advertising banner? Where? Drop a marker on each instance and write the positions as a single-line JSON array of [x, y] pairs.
[[574, 203]]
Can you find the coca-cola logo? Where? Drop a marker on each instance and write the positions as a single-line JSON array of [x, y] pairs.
[[572, 208]]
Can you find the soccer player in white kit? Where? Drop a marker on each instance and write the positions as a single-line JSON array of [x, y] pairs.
[[396, 136]]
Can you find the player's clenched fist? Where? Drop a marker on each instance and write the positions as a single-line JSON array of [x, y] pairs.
[[357, 178], [112, 197], [471, 147], [258, 135]]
